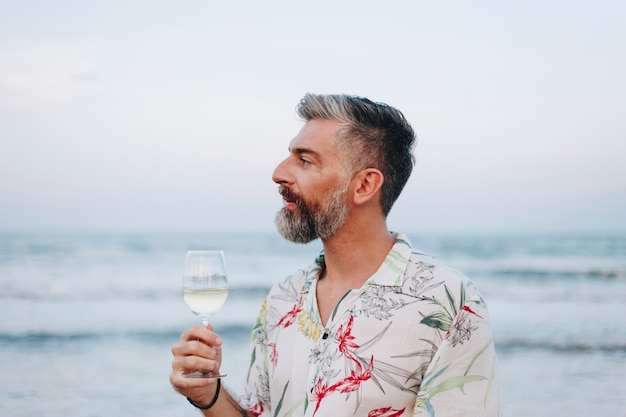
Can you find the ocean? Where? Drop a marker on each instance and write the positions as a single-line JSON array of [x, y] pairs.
[[87, 320]]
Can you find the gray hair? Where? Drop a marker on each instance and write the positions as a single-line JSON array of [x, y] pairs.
[[372, 135]]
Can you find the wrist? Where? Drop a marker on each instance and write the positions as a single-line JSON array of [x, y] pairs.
[[213, 401]]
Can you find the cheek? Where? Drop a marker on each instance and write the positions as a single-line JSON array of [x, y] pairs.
[[317, 187]]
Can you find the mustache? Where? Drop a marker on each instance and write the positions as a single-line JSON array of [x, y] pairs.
[[284, 191]]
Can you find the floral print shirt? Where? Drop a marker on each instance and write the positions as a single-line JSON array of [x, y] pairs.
[[414, 340]]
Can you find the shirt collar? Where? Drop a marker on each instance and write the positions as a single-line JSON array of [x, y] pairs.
[[390, 272]]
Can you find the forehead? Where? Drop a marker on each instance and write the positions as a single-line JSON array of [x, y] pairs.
[[316, 136]]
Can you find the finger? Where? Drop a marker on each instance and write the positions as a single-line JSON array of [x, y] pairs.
[[196, 348], [186, 385], [188, 364], [195, 332], [202, 390], [205, 334]]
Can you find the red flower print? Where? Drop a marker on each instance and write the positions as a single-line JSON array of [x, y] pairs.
[[469, 310], [345, 340], [320, 391], [357, 376], [353, 382], [273, 353], [257, 410], [290, 317], [385, 412]]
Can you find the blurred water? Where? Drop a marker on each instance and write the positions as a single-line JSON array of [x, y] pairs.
[[87, 319]]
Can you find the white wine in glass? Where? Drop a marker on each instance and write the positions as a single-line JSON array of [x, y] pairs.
[[205, 289]]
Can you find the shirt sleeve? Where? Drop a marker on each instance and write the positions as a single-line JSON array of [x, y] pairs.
[[462, 378], [255, 395]]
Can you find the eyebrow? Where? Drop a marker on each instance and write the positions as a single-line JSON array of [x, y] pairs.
[[301, 151]]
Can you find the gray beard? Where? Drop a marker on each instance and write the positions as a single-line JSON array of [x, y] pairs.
[[317, 221]]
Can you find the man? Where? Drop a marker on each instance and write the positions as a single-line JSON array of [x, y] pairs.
[[374, 327]]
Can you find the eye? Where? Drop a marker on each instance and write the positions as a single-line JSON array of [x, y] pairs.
[[304, 161]]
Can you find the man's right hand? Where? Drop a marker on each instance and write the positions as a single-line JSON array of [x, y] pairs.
[[199, 348]]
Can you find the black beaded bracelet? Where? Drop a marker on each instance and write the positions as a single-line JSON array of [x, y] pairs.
[[212, 403]]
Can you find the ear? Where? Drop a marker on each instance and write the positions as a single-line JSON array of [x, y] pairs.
[[367, 183]]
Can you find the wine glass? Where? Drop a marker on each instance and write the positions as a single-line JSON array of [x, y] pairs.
[[205, 289]]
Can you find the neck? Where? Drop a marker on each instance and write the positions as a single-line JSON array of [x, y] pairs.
[[355, 252]]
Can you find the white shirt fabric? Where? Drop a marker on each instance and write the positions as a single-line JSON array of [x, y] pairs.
[[414, 340]]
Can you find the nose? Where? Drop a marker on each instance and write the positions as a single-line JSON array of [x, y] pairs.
[[281, 173]]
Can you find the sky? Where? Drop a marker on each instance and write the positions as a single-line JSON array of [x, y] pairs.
[[163, 115]]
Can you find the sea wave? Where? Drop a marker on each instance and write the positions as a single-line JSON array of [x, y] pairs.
[[605, 274], [41, 339], [239, 333], [65, 293], [561, 346]]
